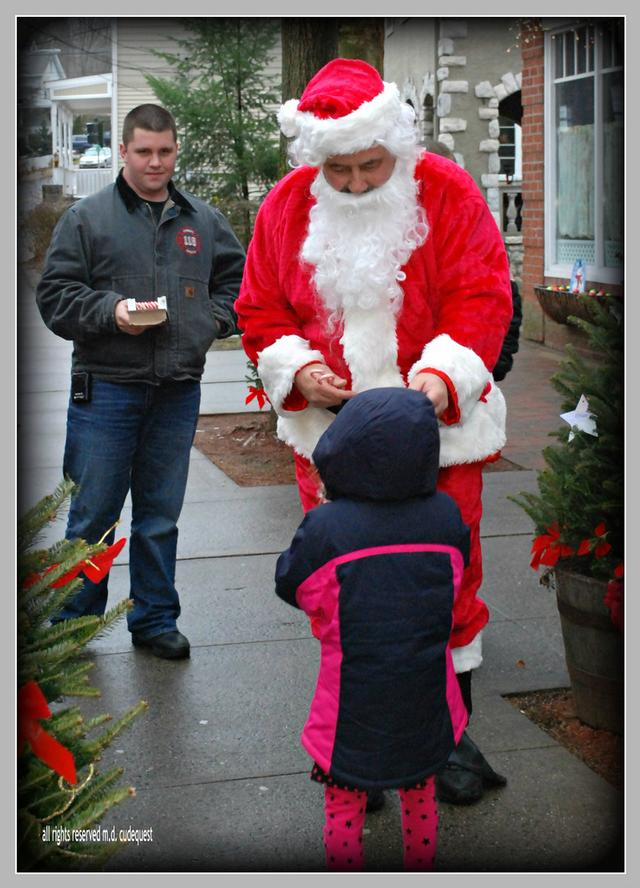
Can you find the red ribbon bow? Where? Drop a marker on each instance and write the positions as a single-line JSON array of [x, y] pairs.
[[94, 569], [32, 705], [259, 394]]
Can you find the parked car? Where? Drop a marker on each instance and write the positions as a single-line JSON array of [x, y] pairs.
[[95, 157], [79, 143]]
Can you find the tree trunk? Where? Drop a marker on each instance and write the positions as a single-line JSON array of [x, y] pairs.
[[308, 44], [363, 39]]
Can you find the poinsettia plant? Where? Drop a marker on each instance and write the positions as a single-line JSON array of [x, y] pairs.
[[579, 510]]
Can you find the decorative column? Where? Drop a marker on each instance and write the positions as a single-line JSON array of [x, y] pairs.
[[450, 67]]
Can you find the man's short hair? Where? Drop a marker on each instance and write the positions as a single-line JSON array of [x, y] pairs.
[[148, 117]]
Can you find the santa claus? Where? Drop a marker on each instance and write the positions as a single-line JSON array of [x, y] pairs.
[[374, 263]]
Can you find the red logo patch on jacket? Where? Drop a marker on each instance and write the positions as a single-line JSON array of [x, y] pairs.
[[189, 241]]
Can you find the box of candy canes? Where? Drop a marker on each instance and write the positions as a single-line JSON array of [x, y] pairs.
[[143, 314]]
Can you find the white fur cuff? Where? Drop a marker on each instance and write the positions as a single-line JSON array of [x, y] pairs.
[[303, 429], [479, 435], [469, 656], [464, 367], [279, 362]]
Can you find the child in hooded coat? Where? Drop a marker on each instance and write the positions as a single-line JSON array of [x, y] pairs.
[[377, 569]]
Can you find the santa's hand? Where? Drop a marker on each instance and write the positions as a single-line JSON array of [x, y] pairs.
[[434, 388], [321, 386]]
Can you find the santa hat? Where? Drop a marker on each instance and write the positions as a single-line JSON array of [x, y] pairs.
[[346, 107]]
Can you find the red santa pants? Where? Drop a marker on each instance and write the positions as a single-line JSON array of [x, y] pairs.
[[463, 483]]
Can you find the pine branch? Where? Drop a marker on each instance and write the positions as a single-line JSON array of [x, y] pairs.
[[32, 774], [95, 800], [98, 720], [96, 746], [79, 631], [111, 617], [68, 720], [54, 656], [30, 526]]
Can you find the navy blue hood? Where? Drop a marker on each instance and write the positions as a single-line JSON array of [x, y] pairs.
[[383, 445]]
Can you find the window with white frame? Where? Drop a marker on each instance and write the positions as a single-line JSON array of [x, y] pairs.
[[510, 150], [584, 149]]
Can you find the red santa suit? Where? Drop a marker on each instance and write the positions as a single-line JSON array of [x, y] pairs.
[[455, 311]]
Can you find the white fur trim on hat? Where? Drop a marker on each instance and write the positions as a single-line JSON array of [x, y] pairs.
[[287, 118], [353, 132]]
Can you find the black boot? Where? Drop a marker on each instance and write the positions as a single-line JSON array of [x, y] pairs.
[[466, 775]]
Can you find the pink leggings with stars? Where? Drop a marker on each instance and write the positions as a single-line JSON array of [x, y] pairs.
[[344, 822]]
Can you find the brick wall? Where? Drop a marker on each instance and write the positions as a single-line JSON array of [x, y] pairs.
[[533, 180]]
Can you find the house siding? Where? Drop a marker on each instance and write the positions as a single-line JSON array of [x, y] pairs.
[[137, 39]]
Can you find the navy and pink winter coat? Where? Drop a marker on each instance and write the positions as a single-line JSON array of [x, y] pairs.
[[377, 570]]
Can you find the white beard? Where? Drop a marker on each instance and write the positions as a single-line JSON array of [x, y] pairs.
[[359, 242], [358, 245]]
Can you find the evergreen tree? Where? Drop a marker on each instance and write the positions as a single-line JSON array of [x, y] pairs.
[[59, 788], [224, 101], [579, 511]]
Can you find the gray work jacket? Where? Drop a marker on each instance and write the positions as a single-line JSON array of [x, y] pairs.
[[108, 247]]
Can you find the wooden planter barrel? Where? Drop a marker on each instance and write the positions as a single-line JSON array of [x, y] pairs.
[[593, 650]]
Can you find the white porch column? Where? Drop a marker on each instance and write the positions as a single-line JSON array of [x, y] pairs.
[[115, 135], [55, 135]]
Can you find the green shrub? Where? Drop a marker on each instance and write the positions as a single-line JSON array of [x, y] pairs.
[[579, 510], [40, 222]]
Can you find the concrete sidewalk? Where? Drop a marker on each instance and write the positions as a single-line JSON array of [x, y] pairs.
[[219, 772]]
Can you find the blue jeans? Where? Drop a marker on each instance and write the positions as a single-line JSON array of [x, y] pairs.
[[132, 436]]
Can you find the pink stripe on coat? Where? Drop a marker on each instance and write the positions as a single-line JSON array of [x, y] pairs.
[[318, 596]]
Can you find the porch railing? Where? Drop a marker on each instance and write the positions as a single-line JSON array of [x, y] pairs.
[[511, 208], [81, 183]]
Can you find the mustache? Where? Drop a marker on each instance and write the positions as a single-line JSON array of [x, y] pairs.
[[368, 190]]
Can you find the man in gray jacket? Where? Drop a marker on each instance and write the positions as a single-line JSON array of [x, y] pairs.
[[135, 394]]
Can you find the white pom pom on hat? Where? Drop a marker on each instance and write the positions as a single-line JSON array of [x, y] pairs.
[[346, 107], [287, 118]]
